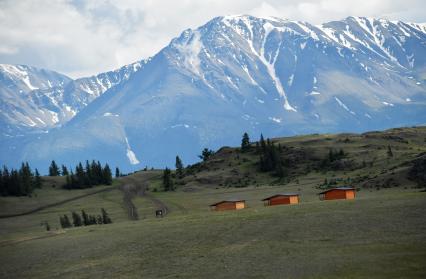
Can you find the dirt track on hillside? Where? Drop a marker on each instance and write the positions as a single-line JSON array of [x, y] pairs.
[[133, 187]]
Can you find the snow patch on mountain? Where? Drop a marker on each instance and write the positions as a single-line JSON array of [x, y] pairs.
[[130, 154]]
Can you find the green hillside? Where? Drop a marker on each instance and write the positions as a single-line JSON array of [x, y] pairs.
[[380, 234]]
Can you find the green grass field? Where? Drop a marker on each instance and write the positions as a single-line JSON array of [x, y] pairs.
[[380, 234]]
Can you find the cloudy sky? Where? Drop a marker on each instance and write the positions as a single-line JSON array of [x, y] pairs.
[[85, 37]]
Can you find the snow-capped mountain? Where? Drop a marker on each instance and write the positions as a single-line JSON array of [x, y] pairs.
[[35, 100], [240, 74]]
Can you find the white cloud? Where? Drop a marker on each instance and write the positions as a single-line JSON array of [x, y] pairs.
[[82, 37]]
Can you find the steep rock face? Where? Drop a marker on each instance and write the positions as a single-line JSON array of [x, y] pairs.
[[242, 73]]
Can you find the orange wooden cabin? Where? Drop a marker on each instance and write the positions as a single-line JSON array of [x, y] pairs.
[[284, 198], [228, 205], [344, 193]]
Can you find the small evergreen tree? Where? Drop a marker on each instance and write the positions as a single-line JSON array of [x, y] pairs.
[[206, 154], [47, 226], [105, 217], [179, 167], [107, 175], [245, 143], [76, 219], [67, 222], [390, 153], [167, 180], [86, 220], [117, 172], [37, 179], [54, 169], [64, 170]]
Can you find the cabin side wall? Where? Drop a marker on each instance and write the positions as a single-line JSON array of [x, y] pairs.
[[225, 206], [279, 200], [335, 195]]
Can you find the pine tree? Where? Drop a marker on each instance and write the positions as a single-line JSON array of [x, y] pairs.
[[245, 143], [76, 219], [206, 154], [117, 172], [107, 175], [167, 180], [67, 222], [64, 170], [37, 179], [390, 153], [179, 167], [53, 169], [86, 220], [105, 217], [262, 143]]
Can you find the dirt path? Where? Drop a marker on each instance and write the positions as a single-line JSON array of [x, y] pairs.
[[104, 189], [136, 185]]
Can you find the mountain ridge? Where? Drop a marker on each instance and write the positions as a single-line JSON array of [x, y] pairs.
[[242, 73]]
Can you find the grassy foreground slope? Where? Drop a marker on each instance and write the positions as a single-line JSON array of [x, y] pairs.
[[380, 234]]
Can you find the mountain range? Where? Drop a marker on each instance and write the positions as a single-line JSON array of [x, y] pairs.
[[234, 74]]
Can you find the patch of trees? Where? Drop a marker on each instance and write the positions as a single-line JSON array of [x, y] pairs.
[[19, 182], [245, 143], [270, 158], [417, 172], [206, 154], [168, 184], [84, 219], [91, 175], [334, 160]]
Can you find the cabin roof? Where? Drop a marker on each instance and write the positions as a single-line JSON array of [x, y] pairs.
[[281, 194], [338, 188], [230, 200]]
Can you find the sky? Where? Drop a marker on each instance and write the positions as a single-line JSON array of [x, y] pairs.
[[85, 37]]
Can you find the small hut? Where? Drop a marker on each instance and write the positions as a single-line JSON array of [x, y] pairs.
[[284, 198], [233, 204], [345, 193]]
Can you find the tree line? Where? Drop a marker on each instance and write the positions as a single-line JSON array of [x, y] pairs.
[[84, 219], [19, 182], [91, 175]]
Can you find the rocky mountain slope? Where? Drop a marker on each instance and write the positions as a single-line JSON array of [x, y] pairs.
[[241, 73]]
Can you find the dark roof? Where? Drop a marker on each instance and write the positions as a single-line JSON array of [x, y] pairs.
[[337, 188], [230, 200], [281, 194]]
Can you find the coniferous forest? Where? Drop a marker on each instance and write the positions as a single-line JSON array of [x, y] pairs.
[[91, 175], [22, 181], [19, 182]]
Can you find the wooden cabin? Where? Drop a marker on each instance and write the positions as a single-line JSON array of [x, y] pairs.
[[344, 193], [228, 205], [284, 198]]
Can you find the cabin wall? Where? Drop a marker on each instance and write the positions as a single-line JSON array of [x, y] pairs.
[[225, 206], [240, 205], [335, 195], [284, 200], [294, 199], [339, 194], [279, 200], [350, 195]]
